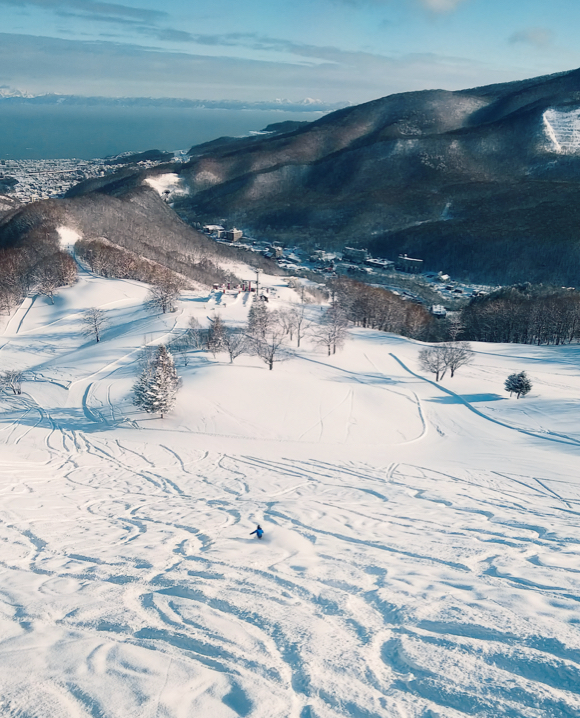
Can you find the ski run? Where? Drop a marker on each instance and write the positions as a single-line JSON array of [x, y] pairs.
[[420, 554]]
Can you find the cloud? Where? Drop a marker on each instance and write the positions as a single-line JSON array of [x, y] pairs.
[[538, 37], [92, 8], [42, 65], [441, 6], [433, 6]]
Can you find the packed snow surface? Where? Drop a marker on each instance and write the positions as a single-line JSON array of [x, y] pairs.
[[420, 556]]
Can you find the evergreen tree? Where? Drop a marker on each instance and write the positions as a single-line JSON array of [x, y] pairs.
[[258, 319], [216, 335], [518, 384], [155, 390]]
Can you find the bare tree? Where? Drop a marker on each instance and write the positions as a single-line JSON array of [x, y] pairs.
[[195, 333], [433, 360], [95, 322], [332, 331], [457, 355], [301, 326], [47, 285], [455, 327], [163, 295], [13, 380], [235, 343], [271, 345], [53, 272], [287, 322]]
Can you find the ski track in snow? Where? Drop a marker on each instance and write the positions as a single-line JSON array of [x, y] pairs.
[[404, 572]]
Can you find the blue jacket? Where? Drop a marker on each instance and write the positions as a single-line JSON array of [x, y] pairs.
[[259, 532]]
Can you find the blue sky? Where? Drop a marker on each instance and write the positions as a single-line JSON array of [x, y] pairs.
[[332, 50]]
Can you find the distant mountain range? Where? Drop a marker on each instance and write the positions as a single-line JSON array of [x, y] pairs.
[[16, 97]]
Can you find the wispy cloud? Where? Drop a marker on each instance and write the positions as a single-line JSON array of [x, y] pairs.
[[40, 65], [92, 8], [537, 37], [433, 6]]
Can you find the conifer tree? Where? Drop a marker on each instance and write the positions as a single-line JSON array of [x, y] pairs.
[[259, 319], [155, 390], [518, 384], [216, 335]]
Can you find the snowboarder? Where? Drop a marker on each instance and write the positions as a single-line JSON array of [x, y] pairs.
[[259, 532]]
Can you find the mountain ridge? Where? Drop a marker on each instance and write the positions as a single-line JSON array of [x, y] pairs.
[[372, 173], [483, 183]]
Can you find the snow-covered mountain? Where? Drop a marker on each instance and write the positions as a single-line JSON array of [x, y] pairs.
[[14, 96], [463, 180], [419, 556]]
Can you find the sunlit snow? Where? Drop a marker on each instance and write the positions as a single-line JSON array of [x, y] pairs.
[[168, 184], [67, 238], [421, 541], [562, 128]]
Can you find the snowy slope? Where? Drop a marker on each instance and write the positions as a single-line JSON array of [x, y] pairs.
[[562, 128], [421, 546]]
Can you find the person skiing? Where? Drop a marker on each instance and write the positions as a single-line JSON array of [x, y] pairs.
[[259, 532]]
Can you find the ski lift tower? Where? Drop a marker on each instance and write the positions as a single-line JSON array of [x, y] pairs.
[[258, 272]]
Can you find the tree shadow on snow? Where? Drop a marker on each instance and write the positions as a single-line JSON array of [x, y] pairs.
[[62, 419], [469, 398]]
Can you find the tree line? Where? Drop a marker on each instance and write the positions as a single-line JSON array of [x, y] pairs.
[[523, 314], [39, 266], [108, 260], [267, 334], [378, 308]]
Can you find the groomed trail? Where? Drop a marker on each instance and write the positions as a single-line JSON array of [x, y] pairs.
[[420, 556]]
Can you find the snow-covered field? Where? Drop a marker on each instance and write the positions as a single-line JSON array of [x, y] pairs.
[[421, 546]]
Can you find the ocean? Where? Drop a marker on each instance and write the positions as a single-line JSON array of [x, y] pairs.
[[87, 132]]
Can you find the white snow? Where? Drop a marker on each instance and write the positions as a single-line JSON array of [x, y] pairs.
[[169, 183], [421, 547], [67, 237], [562, 128]]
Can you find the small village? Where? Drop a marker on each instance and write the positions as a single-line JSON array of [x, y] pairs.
[[33, 180], [405, 276]]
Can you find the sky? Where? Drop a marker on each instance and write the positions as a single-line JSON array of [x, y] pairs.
[[261, 50]]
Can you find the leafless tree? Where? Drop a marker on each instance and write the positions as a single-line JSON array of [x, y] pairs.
[[271, 345], [301, 325], [332, 331], [235, 343], [455, 327], [47, 284], [7, 300], [433, 360], [13, 380], [287, 321], [95, 322], [162, 296], [52, 272], [457, 354], [195, 333], [525, 314]]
